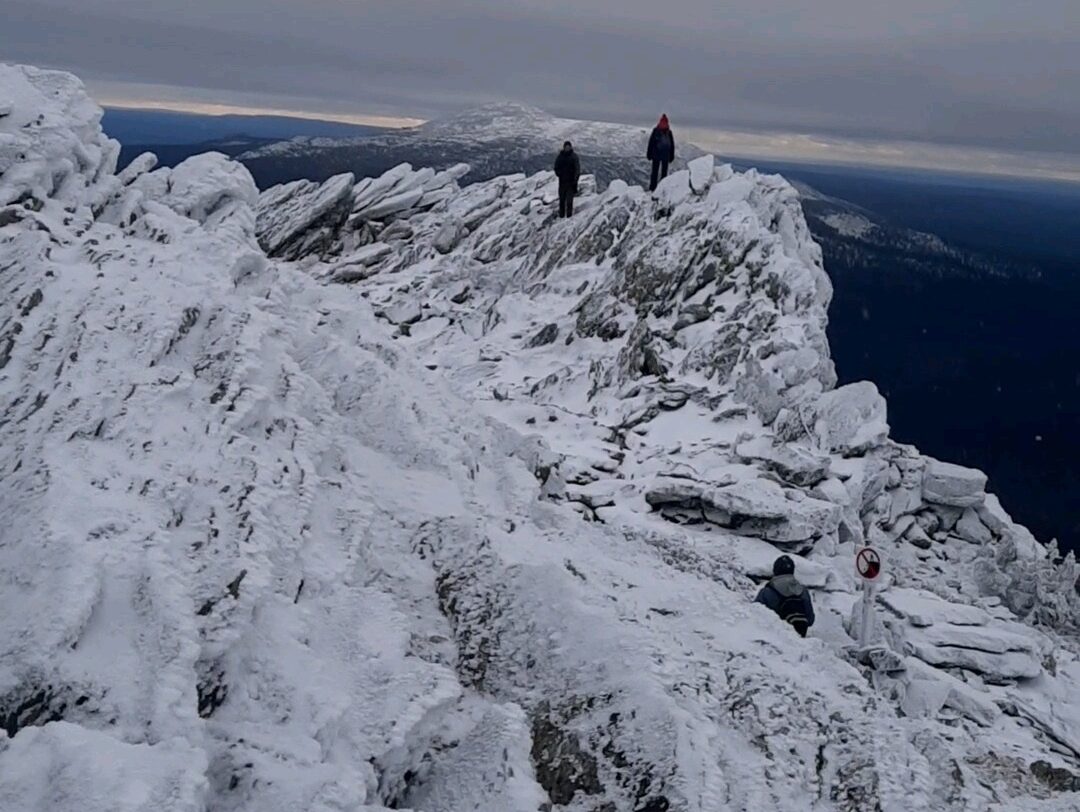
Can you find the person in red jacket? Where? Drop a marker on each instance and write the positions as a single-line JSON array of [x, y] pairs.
[[661, 151]]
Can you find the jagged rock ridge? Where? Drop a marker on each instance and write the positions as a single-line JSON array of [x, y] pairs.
[[464, 508]]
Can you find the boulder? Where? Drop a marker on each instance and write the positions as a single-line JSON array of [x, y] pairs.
[[945, 483], [673, 189], [792, 463], [701, 173], [756, 558], [408, 312], [998, 655], [691, 314], [447, 237], [762, 508], [849, 420], [928, 690], [970, 528], [923, 609]]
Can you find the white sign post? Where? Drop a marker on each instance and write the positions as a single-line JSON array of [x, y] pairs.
[[868, 565]]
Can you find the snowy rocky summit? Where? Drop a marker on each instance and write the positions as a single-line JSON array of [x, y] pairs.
[[389, 493]]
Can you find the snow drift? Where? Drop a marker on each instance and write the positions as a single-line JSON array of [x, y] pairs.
[[389, 494]]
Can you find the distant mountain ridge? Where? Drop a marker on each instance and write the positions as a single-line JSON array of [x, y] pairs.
[[494, 139], [508, 138]]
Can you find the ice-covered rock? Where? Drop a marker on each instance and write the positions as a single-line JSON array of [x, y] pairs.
[[791, 462], [996, 654], [51, 144], [701, 173], [969, 527], [953, 635], [303, 218], [945, 483], [674, 189], [64, 767], [848, 420], [275, 543], [927, 691], [756, 507]]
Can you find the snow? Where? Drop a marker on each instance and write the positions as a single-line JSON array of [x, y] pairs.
[[701, 173], [341, 533], [849, 225], [948, 484], [296, 208], [63, 767]]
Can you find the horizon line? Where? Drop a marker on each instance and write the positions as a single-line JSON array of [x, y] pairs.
[[219, 110], [795, 147]]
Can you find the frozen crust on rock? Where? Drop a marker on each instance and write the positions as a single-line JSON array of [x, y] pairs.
[[465, 508]]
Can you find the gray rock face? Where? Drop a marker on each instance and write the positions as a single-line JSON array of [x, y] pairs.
[[950, 635], [947, 484], [969, 527], [1057, 778], [303, 218], [544, 336], [756, 508]]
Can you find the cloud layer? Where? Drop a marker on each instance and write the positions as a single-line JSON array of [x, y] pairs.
[[990, 73]]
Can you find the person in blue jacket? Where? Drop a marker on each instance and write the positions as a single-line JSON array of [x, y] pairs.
[[661, 151], [787, 597]]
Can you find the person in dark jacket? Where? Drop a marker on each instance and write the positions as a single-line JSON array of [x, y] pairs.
[[661, 151], [567, 170], [787, 597]]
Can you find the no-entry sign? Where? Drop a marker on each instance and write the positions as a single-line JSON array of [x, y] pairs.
[[868, 563]]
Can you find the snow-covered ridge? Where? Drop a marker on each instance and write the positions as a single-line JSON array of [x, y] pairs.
[[446, 506]]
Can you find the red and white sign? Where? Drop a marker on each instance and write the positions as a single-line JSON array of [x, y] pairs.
[[868, 563]]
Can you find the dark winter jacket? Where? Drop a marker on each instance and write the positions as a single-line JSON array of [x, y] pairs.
[[661, 145], [567, 168], [790, 600]]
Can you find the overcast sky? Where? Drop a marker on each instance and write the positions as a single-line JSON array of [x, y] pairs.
[[1000, 75]]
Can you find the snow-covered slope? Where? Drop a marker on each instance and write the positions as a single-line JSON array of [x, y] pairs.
[[463, 508]]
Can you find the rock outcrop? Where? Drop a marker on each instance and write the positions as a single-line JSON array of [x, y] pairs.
[[447, 505]]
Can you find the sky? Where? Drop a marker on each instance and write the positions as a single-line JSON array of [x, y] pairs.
[[990, 81]]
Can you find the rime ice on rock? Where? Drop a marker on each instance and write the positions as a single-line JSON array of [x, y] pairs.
[[465, 508]]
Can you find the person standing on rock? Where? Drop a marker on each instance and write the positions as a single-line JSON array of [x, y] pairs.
[[787, 597], [567, 170], [661, 151]]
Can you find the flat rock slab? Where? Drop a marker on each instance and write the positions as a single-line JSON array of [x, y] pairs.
[[751, 507], [945, 483], [792, 463], [924, 608], [952, 635]]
